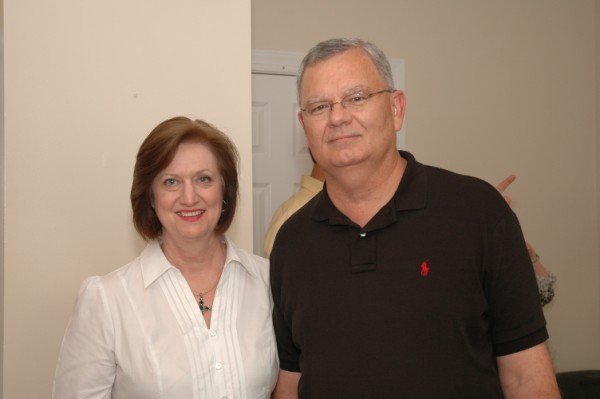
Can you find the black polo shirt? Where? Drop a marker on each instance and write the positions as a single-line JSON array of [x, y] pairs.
[[417, 304]]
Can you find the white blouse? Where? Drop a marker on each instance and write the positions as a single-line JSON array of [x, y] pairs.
[[137, 333]]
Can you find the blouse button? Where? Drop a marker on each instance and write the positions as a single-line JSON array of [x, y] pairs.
[[219, 366]]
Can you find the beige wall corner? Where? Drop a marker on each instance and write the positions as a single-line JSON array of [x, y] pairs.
[[85, 82]]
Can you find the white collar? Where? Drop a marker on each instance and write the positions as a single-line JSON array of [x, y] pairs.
[[154, 262]]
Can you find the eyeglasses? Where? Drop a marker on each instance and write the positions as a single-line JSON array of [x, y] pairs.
[[350, 102]]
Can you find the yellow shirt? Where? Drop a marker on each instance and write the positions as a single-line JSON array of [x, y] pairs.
[[309, 187]]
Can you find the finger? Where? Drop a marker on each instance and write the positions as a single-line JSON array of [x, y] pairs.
[[503, 185]]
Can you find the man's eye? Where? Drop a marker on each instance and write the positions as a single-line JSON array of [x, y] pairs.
[[318, 108], [356, 100]]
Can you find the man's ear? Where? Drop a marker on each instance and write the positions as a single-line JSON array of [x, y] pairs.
[[398, 108], [301, 118]]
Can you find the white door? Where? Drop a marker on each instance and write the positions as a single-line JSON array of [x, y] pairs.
[[280, 155]]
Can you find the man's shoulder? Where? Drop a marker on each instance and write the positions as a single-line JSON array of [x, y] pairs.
[[439, 178], [460, 183], [447, 189]]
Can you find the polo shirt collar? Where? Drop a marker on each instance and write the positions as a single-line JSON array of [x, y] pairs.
[[411, 194], [154, 263]]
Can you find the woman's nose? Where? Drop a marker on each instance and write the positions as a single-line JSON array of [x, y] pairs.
[[189, 194]]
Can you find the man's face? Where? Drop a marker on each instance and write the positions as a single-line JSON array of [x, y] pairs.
[[343, 137]]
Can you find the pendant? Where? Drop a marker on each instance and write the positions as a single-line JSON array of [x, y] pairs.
[[203, 308]]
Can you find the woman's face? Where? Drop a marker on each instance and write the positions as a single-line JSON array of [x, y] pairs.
[[187, 194]]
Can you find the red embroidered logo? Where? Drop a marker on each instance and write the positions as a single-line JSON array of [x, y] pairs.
[[425, 268]]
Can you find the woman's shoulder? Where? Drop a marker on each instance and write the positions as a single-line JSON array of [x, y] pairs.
[[123, 275], [255, 264]]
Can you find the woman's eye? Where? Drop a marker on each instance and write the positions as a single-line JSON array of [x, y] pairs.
[[204, 179], [170, 182]]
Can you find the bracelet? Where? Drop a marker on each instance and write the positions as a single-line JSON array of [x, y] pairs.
[[536, 258]]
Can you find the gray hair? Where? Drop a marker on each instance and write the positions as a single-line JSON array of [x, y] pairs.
[[328, 48]]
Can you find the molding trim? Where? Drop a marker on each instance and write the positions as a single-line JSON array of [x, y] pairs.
[[276, 62]]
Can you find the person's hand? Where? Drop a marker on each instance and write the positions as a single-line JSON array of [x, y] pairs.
[[532, 254], [538, 267], [503, 185]]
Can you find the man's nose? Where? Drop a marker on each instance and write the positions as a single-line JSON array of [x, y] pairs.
[[338, 113]]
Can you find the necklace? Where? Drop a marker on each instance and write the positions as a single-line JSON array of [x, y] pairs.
[[201, 304], [204, 307]]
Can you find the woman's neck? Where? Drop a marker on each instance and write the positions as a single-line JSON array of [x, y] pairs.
[[196, 258]]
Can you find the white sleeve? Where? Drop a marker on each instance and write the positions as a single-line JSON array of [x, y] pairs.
[[86, 364]]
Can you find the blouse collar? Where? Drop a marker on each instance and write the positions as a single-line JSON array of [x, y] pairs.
[[154, 263]]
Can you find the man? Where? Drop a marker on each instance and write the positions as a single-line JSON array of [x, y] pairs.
[[309, 187], [398, 280]]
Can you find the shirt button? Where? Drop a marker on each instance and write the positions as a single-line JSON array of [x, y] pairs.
[[363, 234], [219, 366]]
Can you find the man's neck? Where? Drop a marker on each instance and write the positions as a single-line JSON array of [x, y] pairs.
[[360, 192], [317, 172]]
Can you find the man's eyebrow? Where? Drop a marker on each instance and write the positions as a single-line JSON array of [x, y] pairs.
[[347, 92], [315, 99], [354, 90]]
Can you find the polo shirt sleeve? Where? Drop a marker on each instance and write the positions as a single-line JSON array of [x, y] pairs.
[[515, 312], [288, 353]]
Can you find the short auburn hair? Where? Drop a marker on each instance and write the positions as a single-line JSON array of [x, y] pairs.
[[156, 153]]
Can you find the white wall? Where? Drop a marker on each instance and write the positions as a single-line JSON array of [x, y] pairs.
[[1, 191], [85, 82], [494, 88]]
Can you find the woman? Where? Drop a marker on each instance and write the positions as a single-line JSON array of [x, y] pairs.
[[191, 316], [545, 279]]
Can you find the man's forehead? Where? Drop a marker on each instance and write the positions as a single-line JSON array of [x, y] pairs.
[[345, 73], [353, 55]]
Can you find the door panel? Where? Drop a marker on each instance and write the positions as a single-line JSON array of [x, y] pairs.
[[280, 155]]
